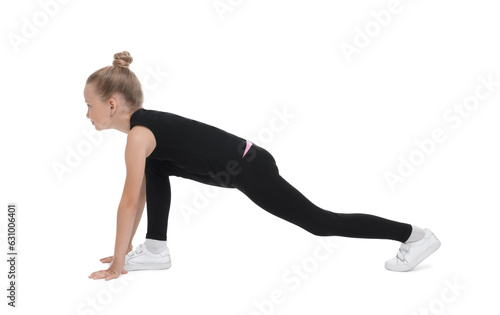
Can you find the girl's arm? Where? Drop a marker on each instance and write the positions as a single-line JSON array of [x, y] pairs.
[[135, 160], [138, 215], [140, 210]]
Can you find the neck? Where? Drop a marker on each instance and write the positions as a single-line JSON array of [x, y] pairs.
[[122, 123]]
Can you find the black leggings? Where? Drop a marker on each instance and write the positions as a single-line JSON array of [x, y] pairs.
[[259, 180]]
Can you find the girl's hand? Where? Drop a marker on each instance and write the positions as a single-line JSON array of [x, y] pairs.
[[109, 259], [112, 272]]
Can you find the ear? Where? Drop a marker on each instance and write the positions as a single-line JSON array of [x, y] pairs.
[[112, 105]]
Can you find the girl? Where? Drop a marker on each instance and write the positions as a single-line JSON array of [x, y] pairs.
[[162, 144]]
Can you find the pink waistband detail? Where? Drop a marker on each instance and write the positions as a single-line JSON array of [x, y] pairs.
[[249, 144]]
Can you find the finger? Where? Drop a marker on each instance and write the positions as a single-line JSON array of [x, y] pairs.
[[111, 276], [106, 260], [98, 274], [99, 271], [94, 276], [101, 276]]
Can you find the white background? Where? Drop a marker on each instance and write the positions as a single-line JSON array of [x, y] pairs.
[[235, 70]]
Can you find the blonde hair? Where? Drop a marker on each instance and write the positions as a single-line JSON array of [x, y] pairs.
[[118, 78]]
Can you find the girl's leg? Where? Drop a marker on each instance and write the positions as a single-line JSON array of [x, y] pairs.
[[158, 198], [158, 195], [156, 254], [261, 182]]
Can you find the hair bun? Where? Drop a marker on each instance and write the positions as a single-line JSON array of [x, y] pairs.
[[122, 59]]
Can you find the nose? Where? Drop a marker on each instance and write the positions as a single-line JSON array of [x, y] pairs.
[[88, 116]]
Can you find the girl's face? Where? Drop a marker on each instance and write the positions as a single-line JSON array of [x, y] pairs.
[[97, 111]]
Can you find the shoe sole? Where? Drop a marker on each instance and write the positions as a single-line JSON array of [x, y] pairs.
[[147, 266], [418, 259]]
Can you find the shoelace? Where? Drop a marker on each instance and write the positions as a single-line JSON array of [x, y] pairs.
[[138, 250], [403, 250]]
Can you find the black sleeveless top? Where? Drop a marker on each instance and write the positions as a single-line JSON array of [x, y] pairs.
[[189, 147]]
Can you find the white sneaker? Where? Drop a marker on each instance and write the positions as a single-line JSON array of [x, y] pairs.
[[141, 259], [412, 254]]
